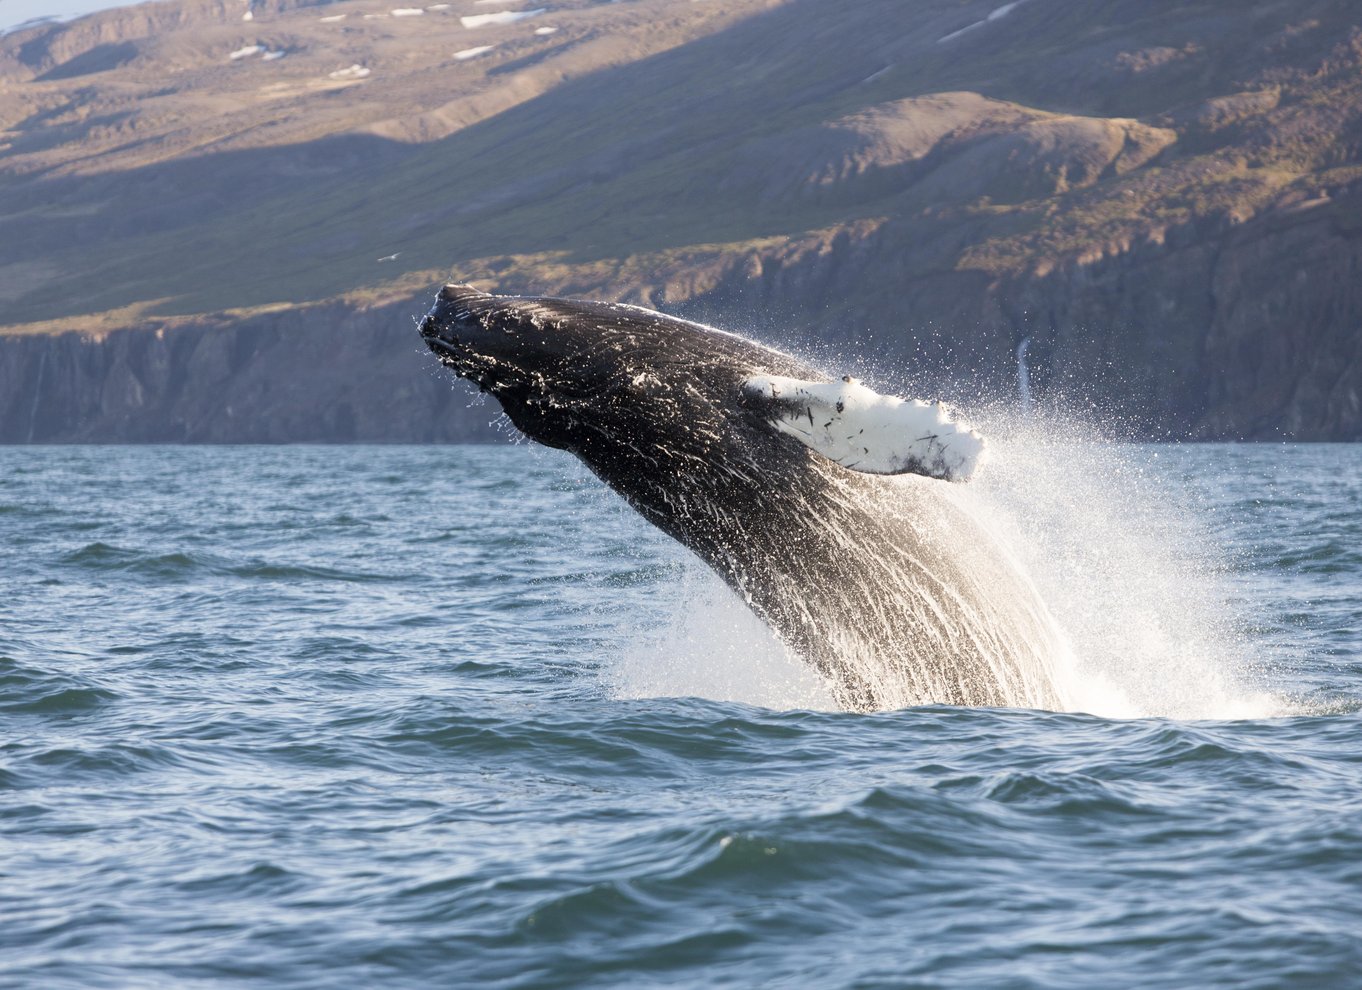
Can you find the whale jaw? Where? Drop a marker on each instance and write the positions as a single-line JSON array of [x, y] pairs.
[[453, 330], [505, 347]]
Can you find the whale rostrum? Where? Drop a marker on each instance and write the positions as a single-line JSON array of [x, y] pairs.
[[827, 507]]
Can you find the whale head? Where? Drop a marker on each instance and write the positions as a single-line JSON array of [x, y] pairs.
[[628, 390]]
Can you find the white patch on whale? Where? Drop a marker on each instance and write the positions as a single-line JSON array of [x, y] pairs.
[[862, 430]]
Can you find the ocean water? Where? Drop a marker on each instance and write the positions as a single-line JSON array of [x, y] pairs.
[[415, 717]]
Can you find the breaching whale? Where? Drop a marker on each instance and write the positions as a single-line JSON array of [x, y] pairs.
[[829, 508]]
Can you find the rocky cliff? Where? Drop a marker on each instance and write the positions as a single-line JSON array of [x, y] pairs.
[[221, 229], [329, 373]]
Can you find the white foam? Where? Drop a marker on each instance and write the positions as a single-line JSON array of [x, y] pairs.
[[408, 11], [1117, 550], [467, 53], [1121, 557], [499, 18], [272, 56], [246, 52], [332, 19], [707, 644], [545, 30]]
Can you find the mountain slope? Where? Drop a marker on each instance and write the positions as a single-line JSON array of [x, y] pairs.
[[1162, 197]]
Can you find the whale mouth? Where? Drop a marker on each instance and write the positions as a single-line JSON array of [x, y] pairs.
[[451, 328], [463, 360]]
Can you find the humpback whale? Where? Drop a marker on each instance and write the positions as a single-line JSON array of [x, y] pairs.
[[833, 511]]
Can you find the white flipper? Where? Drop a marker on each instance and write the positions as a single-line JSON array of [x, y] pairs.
[[862, 430]]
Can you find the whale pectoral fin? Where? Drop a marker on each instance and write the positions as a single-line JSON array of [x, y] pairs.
[[860, 429]]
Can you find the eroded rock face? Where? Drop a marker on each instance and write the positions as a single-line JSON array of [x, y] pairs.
[[948, 147], [1219, 331], [323, 374]]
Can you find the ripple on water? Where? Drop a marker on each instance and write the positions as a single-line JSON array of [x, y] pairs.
[[29, 690], [308, 718], [182, 566]]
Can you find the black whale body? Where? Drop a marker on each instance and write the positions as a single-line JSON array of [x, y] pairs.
[[885, 584]]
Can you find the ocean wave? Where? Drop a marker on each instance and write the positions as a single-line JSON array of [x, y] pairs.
[[180, 565], [258, 735], [28, 690]]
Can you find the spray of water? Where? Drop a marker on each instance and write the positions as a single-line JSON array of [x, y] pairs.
[[1113, 547], [1024, 376], [706, 643], [1118, 550]]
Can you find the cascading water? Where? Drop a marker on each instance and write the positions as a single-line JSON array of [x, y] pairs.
[[1024, 375], [1134, 621], [1120, 552]]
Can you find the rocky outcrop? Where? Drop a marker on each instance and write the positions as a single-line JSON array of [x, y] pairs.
[[327, 374], [1213, 332]]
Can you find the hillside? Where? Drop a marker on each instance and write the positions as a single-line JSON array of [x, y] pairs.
[[219, 228]]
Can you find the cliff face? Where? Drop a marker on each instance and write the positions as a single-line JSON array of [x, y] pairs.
[[198, 242], [1251, 331], [328, 373]]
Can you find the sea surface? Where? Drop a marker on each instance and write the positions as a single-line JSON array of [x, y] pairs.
[[417, 717]]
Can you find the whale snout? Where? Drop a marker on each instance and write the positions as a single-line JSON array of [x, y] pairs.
[[456, 326], [454, 329], [453, 309]]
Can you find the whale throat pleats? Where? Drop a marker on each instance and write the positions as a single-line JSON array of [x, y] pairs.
[[858, 428]]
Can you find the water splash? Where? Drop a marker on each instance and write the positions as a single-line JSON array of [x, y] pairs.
[[706, 643], [912, 623], [1119, 551], [1114, 547], [1024, 375]]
